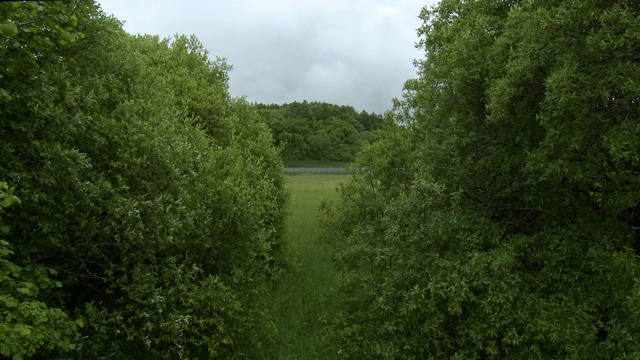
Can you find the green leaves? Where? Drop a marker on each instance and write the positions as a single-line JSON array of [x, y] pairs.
[[28, 324], [6, 195], [153, 204], [320, 131], [8, 29], [492, 223]]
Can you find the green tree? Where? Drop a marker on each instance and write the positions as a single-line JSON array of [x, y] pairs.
[[152, 202], [501, 218], [320, 131], [28, 324]]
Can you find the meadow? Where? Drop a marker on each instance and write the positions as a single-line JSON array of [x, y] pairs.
[[303, 300], [314, 163]]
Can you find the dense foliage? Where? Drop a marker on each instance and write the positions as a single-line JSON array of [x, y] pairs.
[[500, 215], [151, 203], [320, 131]]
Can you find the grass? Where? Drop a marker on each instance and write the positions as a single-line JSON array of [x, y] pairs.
[[303, 300], [313, 163]]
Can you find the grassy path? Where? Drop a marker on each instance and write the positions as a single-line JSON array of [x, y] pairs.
[[303, 300]]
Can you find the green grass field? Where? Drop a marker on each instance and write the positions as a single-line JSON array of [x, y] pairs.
[[314, 163], [303, 300]]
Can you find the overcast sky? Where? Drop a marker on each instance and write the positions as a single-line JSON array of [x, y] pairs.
[[346, 52]]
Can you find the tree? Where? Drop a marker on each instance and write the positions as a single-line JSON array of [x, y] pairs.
[[153, 203], [27, 323], [507, 225], [320, 131]]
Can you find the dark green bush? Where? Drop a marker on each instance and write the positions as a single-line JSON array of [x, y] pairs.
[[501, 217], [156, 200]]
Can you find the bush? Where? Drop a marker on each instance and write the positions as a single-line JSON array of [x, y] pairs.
[[151, 197], [500, 217]]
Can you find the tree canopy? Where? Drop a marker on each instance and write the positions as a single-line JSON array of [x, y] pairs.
[[500, 216], [320, 131], [147, 205]]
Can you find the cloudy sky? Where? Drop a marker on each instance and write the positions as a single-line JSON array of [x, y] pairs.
[[346, 52]]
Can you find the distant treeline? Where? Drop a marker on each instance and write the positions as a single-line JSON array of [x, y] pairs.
[[320, 131]]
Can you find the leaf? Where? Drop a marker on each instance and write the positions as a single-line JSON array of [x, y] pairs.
[[10, 302], [25, 291], [23, 330], [6, 94], [9, 29]]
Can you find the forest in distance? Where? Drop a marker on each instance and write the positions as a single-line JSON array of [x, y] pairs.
[[320, 131], [495, 215]]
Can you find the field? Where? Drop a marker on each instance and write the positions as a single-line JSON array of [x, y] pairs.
[[313, 163], [302, 301]]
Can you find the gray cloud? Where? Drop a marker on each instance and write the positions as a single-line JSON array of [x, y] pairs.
[[348, 52]]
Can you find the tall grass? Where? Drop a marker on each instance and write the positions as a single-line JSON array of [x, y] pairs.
[[303, 300]]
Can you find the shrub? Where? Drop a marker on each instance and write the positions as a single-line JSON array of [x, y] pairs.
[[154, 200], [499, 218]]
